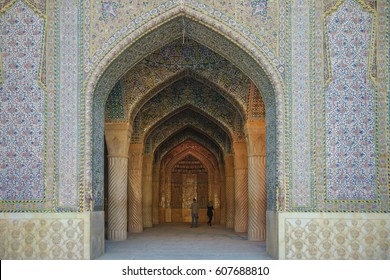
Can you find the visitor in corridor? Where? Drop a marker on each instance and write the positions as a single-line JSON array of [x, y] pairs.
[[210, 210], [194, 212]]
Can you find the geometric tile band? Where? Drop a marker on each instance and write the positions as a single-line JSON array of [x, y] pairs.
[[350, 106], [68, 104], [21, 105], [115, 105], [301, 106]]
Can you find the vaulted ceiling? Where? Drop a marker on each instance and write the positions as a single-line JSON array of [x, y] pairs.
[[183, 92]]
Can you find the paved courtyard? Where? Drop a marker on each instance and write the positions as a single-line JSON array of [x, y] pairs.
[[180, 242]]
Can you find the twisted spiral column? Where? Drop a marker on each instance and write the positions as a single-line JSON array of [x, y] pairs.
[[117, 138], [117, 210], [229, 190], [155, 196], [223, 195], [147, 191], [134, 194], [257, 198], [241, 200], [240, 187], [256, 134]]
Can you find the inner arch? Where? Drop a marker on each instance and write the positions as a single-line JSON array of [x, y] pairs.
[[237, 52]]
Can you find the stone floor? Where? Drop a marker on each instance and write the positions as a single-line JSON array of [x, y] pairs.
[[180, 242]]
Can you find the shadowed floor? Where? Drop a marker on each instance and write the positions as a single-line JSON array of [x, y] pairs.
[[180, 242]]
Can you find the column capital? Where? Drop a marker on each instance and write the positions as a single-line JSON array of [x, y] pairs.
[[240, 155], [117, 138], [255, 124], [229, 165], [112, 126], [136, 155], [256, 135]]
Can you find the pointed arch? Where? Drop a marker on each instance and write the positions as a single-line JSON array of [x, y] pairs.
[[244, 53]]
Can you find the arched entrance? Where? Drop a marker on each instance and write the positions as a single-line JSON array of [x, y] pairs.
[[124, 57], [190, 172]]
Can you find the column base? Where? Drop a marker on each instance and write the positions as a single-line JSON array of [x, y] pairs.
[[256, 235], [136, 229], [117, 235], [240, 229], [229, 225]]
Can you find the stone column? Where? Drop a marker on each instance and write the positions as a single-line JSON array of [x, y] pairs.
[[117, 139], [162, 194], [223, 194], [134, 193], [229, 185], [147, 190], [211, 187], [256, 179], [155, 196], [240, 187], [217, 196], [168, 187]]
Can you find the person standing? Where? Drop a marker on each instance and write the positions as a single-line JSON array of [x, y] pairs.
[[194, 213], [210, 213]]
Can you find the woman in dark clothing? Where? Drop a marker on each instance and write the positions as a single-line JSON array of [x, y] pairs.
[[210, 209]]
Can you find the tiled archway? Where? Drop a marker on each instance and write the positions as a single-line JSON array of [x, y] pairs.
[[243, 59]]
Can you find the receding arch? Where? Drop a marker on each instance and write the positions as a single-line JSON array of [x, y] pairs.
[[175, 78], [184, 134], [171, 161], [192, 112], [208, 128], [243, 53], [204, 156]]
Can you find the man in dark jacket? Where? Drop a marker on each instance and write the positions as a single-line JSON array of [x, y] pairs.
[[210, 210]]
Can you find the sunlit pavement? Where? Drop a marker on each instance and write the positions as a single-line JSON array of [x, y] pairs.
[[180, 242]]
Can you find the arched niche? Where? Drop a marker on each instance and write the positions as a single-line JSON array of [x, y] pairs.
[[168, 210]]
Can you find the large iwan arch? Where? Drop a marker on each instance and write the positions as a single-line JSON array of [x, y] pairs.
[[131, 50]]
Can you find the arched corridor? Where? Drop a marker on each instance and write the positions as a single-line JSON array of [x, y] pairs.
[[192, 125]]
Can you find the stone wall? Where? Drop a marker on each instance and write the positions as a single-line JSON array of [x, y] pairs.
[[323, 236], [51, 235]]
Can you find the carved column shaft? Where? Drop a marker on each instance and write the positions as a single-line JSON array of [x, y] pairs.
[[210, 194], [217, 196], [229, 185], [256, 180], [135, 219], [117, 203], [117, 139], [223, 194], [257, 198], [162, 194], [240, 187], [147, 191], [168, 188], [155, 198]]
